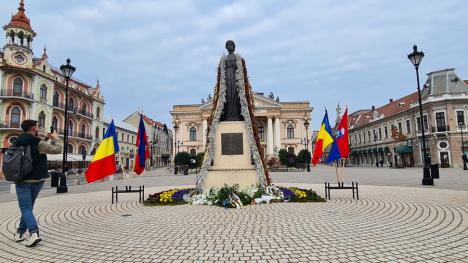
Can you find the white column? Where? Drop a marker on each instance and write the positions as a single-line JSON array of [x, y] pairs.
[[277, 134], [204, 126], [270, 136]]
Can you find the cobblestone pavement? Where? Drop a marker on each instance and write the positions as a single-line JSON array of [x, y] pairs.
[[388, 224]]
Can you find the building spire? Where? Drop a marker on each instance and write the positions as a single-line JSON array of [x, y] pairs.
[[44, 54]]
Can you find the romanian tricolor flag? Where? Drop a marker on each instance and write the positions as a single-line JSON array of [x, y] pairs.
[[103, 163], [324, 138], [142, 148]]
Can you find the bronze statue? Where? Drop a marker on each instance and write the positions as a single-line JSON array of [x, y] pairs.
[[232, 107]]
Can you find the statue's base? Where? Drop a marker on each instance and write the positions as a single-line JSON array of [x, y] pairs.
[[232, 163]]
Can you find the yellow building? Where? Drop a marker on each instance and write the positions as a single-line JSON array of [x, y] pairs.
[[31, 88], [280, 124]]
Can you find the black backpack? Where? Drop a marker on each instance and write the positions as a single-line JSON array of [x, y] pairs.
[[17, 162]]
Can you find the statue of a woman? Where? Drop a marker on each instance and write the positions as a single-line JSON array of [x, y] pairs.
[[232, 107]]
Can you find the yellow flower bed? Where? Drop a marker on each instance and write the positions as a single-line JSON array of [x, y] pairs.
[[166, 197], [299, 193]]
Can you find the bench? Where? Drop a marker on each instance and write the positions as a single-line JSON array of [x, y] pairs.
[[353, 187], [128, 189]]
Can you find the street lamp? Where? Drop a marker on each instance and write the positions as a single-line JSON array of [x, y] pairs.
[[415, 57], [306, 125], [67, 71], [461, 125], [176, 127]]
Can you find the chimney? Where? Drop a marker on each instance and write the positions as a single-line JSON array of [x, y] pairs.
[[373, 108], [390, 100]]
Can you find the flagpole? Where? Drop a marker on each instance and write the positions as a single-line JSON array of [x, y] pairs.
[[337, 176]]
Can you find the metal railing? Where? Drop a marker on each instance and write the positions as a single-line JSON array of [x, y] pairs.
[[14, 93]]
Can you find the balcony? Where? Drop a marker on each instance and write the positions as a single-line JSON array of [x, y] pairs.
[[73, 110], [10, 125], [76, 135], [15, 94]]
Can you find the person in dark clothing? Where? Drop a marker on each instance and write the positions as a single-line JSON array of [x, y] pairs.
[[28, 189]]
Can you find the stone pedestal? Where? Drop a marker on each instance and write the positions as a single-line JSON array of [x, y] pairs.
[[232, 162]]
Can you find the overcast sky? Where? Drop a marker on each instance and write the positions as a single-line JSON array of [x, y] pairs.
[[153, 54]]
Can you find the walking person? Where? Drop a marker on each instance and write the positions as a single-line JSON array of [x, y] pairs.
[[28, 189]]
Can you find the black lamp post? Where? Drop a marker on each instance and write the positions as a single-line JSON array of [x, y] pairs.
[[67, 71], [461, 125], [176, 127], [416, 58], [306, 125]]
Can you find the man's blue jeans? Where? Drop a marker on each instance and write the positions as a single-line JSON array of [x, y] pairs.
[[27, 194]]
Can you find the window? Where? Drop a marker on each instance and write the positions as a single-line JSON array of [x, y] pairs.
[[408, 126], [55, 100], [193, 134], [55, 123], [17, 87], [70, 148], [380, 133], [460, 118], [83, 109], [82, 149], [98, 112], [364, 137], [132, 138], [71, 104], [360, 139], [123, 136], [41, 120], [440, 122], [97, 133], [386, 132], [261, 133], [15, 117], [70, 128], [399, 128], [368, 136], [418, 122], [290, 131], [83, 130], [128, 137], [43, 92], [193, 152], [375, 135]]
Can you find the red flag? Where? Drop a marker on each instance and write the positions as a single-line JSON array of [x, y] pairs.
[[342, 137], [142, 148]]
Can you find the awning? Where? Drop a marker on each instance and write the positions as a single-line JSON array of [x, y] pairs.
[[386, 149], [70, 157], [404, 149]]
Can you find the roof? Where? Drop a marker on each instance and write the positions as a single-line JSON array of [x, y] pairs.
[[466, 82], [363, 117], [20, 19], [152, 122], [121, 125]]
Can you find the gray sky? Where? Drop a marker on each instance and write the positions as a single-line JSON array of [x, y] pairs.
[[153, 54]]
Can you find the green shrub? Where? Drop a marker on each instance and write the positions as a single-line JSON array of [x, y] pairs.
[[283, 156], [182, 158]]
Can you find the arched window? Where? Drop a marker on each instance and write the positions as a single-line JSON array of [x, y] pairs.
[[98, 112], [71, 104], [83, 109], [97, 133], [70, 128], [55, 123], [290, 131], [82, 149], [15, 117], [193, 134], [55, 100], [43, 93], [18, 87], [261, 132], [41, 120], [83, 130], [70, 148]]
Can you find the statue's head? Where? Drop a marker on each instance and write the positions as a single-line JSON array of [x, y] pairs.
[[230, 46]]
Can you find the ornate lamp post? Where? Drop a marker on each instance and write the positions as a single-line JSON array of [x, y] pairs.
[[415, 57], [306, 125], [67, 71], [461, 125]]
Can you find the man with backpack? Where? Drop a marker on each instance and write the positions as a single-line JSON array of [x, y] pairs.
[[30, 184]]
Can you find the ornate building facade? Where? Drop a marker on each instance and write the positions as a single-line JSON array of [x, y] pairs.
[[31, 88], [280, 125], [392, 133]]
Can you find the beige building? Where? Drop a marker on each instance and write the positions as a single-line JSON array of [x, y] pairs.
[[159, 139], [392, 132], [31, 88], [280, 124]]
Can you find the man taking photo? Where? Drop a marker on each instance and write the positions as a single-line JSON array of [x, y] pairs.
[[28, 189]]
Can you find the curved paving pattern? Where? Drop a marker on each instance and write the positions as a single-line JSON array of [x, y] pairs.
[[388, 224]]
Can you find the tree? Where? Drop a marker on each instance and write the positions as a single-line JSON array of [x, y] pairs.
[[283, 156], [182, 158], [303, 156]]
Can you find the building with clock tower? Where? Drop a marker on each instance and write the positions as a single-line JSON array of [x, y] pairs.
[[31, 88]]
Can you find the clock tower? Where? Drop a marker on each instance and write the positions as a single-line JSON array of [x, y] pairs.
[[19, 37]]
